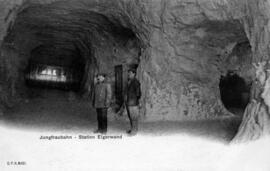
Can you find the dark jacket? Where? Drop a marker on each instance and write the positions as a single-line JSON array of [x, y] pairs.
[[102, 95], [133, 92]]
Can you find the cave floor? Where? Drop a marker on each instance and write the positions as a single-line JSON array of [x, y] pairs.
[[188, 146], [59, 111]]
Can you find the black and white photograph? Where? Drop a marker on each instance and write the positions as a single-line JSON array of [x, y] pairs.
[[134, 85]]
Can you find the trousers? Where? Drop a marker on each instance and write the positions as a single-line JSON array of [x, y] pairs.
[[102, 118], [133, 115]]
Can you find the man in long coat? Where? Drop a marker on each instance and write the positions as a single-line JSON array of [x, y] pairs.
[[102, 101]]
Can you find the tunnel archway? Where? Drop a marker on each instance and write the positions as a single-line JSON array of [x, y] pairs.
[[53, 34], [48, 39]]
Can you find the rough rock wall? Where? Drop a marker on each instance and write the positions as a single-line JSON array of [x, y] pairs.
[[256, 118], [238, 59], [183, 45], [8, 12], [187, 45]]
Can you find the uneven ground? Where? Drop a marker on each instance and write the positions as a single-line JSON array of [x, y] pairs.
[[55, 110]]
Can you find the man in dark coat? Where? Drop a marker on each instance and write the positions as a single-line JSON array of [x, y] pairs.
[[132, 98], [102, 101]]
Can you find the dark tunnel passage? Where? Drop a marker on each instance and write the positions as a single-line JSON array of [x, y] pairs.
[[55, 68], [64, 47], [57, 50], [234, 93]]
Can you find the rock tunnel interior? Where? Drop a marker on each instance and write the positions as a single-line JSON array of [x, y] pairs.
[[56, 40], [86, 41]]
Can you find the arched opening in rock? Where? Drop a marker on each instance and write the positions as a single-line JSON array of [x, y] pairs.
[[63, 45], [234, 93]]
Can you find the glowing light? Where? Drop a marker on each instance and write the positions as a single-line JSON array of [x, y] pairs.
[[50, 74]]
